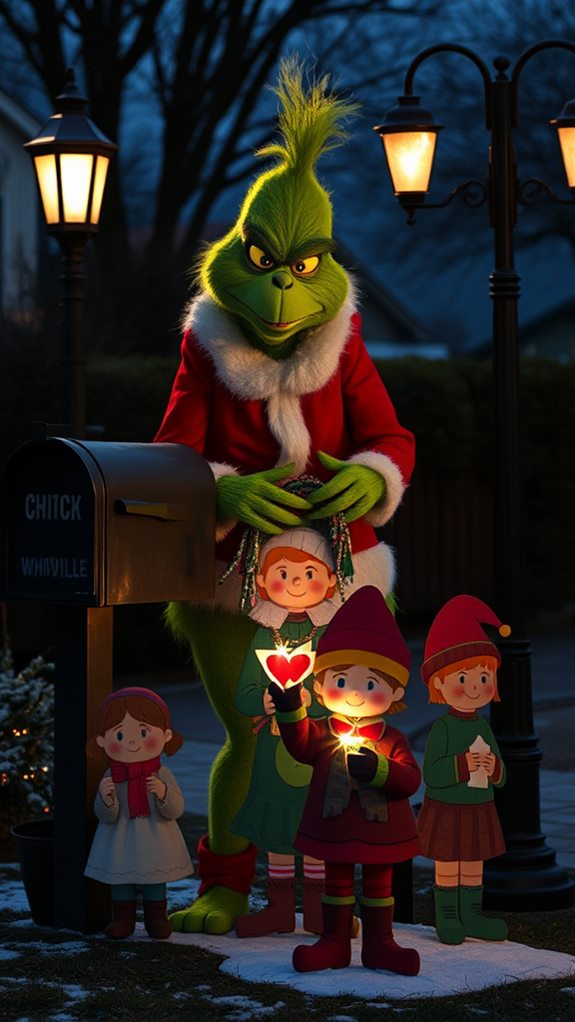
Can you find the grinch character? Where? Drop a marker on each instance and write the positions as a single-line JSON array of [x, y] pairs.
[[458, 823], [138, 844], [357, 808], [275, 381], [295, 585]]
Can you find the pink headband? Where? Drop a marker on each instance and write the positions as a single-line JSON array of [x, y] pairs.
[[145, 693]]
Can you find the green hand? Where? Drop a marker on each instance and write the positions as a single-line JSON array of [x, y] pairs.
[[354, 489], [257, 501]]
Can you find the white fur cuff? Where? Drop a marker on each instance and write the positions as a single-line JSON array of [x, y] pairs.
[[394, 485]]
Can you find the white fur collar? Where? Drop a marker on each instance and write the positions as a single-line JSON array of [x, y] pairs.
[[252, 375], [271, 616]]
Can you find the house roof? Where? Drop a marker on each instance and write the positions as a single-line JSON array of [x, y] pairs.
[[549, 334], [19, 119], [384, 301]]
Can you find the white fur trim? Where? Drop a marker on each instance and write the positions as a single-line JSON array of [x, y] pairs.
[[394, 485], [219, 469], [254, 376], [287, 426], [373, 567]]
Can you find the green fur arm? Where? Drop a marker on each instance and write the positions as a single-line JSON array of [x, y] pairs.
[[257, 501], [354, 489]]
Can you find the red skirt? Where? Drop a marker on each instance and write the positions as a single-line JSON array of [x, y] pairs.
[[459, 833]]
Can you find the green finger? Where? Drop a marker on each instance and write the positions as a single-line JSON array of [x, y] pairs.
[[262, 524], [272, 511], [332, 508], [279, 472], [282, 497], [358, 510], [328, 461], [336, 485]]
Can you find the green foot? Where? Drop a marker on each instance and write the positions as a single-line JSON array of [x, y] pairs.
[[214, 912], [448, 926]]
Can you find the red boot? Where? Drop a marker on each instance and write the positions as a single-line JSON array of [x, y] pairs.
[[312, 904], [279, 914], [379, 950], [156, 919], [333, 949], [123, 920]]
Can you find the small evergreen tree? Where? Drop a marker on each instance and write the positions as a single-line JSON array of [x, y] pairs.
[[26, 740]]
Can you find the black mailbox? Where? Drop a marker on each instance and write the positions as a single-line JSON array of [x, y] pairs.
[[99, 524]]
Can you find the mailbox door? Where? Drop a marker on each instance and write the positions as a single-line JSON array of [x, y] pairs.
[[51, 515], [160, 522]]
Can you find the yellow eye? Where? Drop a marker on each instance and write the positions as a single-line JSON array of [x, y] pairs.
[[303, 267], [259, 258]]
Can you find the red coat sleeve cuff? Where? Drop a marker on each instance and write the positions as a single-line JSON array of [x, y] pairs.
[[461, 768]]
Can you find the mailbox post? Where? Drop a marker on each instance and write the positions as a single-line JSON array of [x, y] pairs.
[[88, 526]]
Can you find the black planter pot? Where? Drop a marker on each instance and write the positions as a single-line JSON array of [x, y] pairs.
[[34, 844]]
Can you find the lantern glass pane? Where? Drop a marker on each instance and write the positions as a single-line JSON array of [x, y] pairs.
[[567, 141], [410, 159], [76, 171], [99, 184], [48, 184]]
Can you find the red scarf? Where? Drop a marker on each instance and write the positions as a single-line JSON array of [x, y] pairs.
[[135, 774], [371, 732]]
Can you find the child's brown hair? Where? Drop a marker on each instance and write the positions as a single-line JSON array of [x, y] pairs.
[[392, 682], [290, 553], [141, 708], [491, 663]]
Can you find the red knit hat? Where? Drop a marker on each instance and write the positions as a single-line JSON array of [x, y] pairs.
[[364, 631], [456, 634]]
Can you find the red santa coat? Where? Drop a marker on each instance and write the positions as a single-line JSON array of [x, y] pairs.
[[245, 412], [350, 837]]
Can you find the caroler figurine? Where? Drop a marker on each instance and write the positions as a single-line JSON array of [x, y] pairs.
[[458, 823], [357, 808], [138, 844], [295, 585]]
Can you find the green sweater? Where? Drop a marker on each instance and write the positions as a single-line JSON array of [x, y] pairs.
[[445, 770]]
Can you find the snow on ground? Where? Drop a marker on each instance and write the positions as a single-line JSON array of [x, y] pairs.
[[473, 965]]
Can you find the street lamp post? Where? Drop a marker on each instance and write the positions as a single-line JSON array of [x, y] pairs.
[[71, 159], [527, 877]]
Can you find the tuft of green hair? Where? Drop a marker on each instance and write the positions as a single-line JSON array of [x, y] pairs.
[[310, 117]]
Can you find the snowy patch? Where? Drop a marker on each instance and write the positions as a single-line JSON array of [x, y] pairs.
[[6, 954], [473, 965], [65, 947], [13, 896], [73, 991], [181, 893]]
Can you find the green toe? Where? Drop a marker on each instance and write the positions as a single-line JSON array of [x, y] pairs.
[[214, 912]]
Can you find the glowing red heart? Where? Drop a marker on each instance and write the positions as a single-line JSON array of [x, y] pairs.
[[285, 670]]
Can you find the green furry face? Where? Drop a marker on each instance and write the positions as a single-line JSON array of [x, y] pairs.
[[274, 271]]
